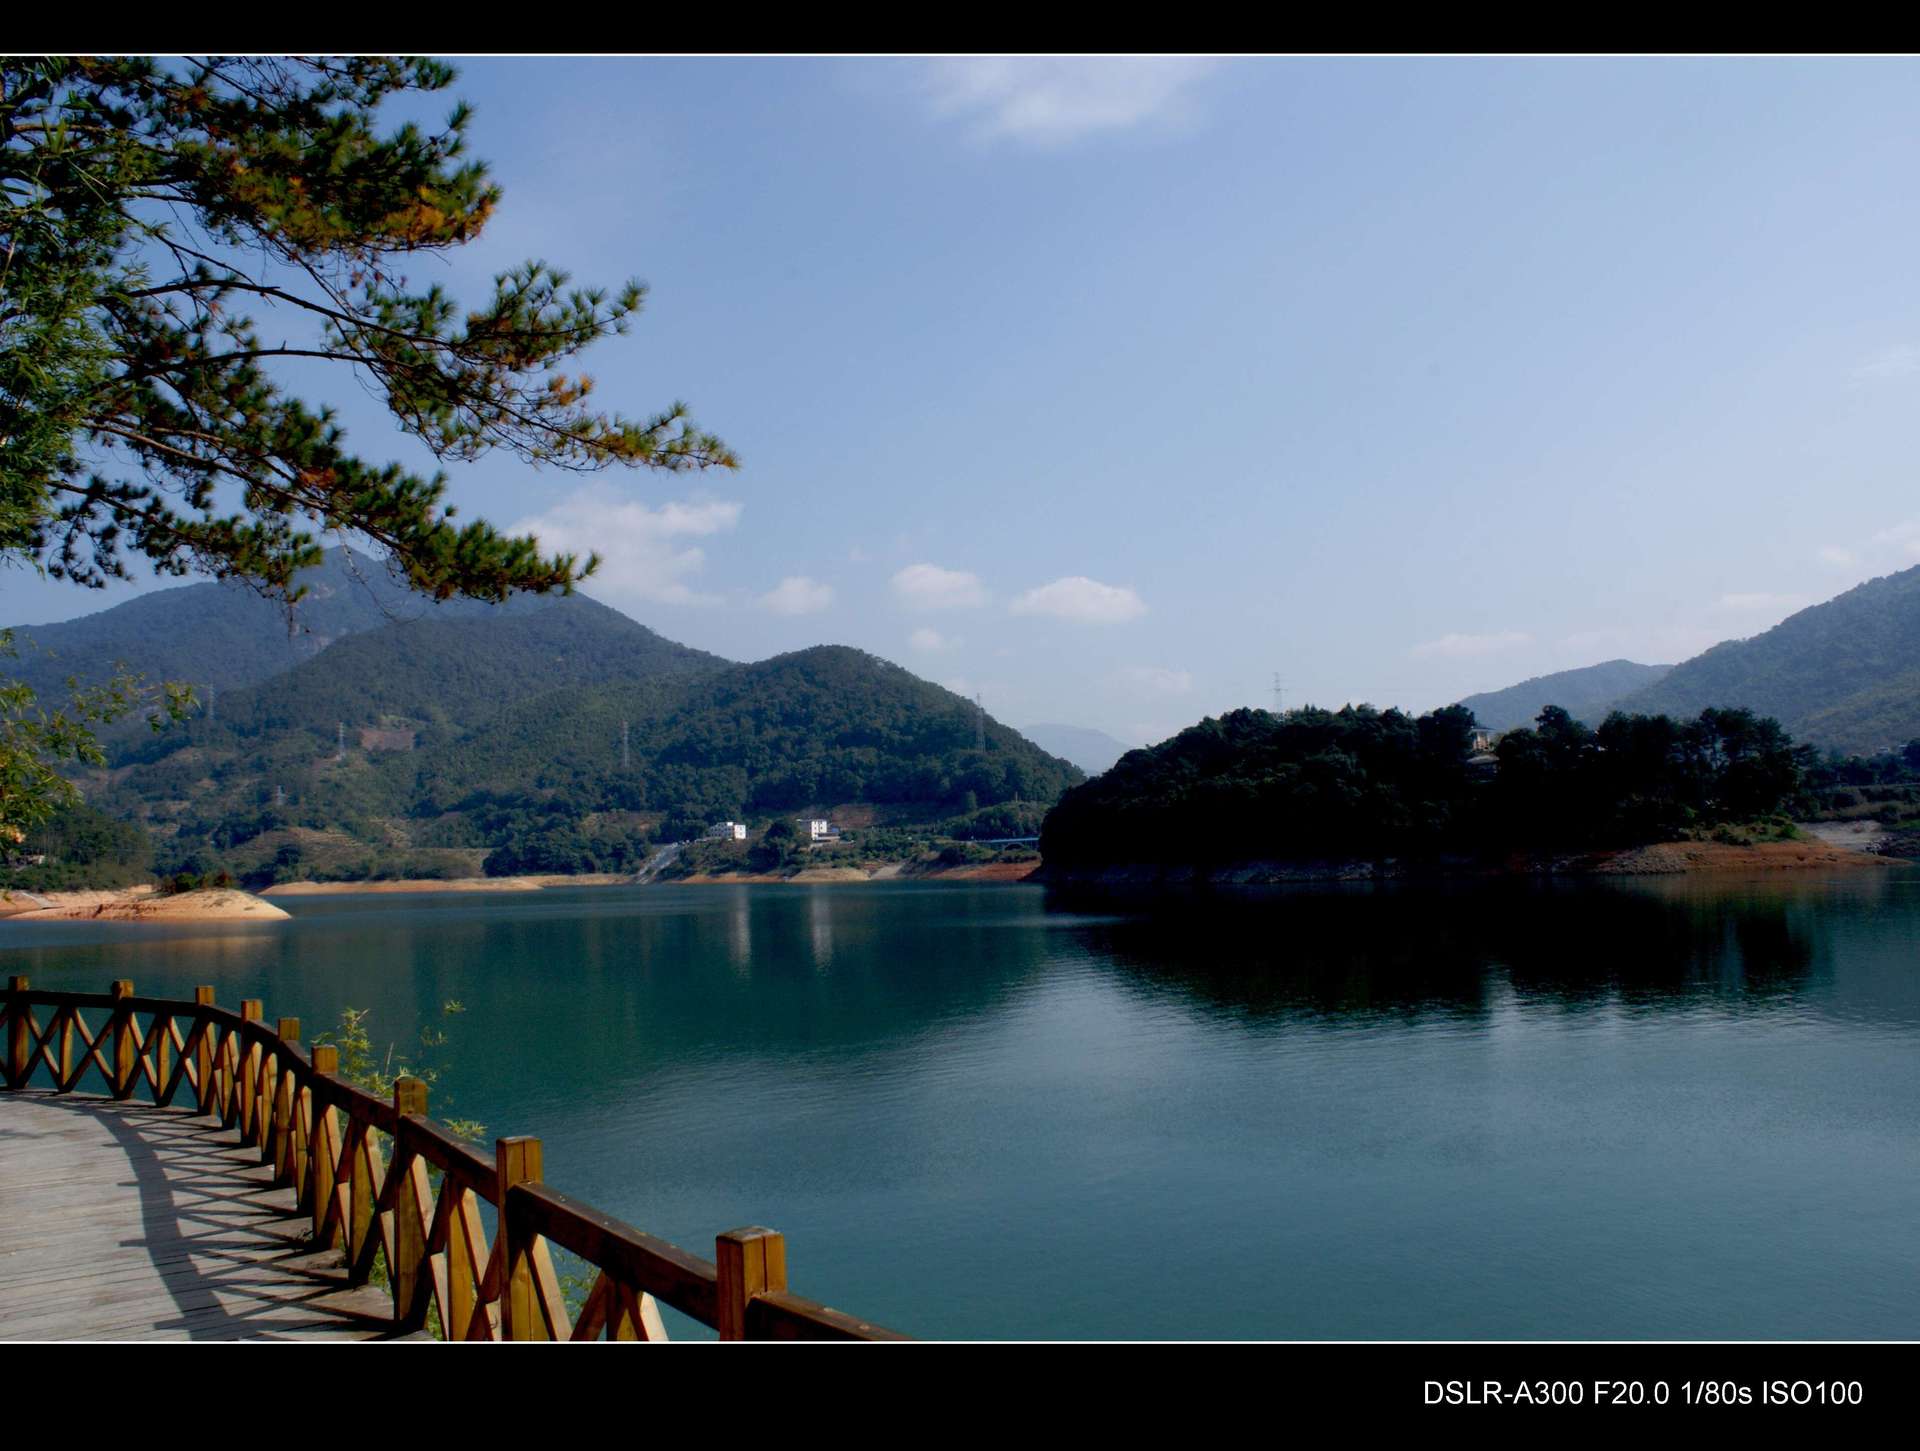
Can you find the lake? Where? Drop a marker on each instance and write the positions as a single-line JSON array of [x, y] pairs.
[[1666, 1108]]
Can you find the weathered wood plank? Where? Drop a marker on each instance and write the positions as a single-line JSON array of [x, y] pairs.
[[120, 1220]]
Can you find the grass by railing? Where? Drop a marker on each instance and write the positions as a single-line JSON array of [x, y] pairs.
[[359, 1168]]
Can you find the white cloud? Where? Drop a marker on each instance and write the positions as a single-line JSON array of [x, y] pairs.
[[797, 595], [1050, 100], [1156, 680], [1902, 360], [929, 587], [1462, 647], [1761, 603], [1893, 548], [1085, 601], [644, 556], [930, 641]]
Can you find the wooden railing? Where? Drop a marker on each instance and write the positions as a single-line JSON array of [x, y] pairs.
[[363, 1171]]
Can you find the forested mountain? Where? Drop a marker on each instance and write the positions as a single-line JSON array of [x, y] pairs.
[[1586, 694], [1091, 750], [813, 728], [222, 635], [559, 734], [1843, 675]]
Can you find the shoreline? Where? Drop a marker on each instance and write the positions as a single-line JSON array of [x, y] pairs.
[[810, 876], [1667, 858], [396, 885]]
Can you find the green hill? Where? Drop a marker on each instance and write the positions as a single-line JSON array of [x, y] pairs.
[[1843, 675], [504, 735], [819, 727], [1586, 694]]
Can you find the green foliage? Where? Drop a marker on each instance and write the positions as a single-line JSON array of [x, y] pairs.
[[211, 879], [1012, 818], [36, 742], [81, 847], [1642, 778], [779, 847], [149, 205], [375, 1069], [1363, 783], [171, 230]]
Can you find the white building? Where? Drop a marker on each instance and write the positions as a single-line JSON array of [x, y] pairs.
[[822, 831], [728, 831]]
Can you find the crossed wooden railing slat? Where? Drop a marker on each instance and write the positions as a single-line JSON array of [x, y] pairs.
[[364, 1172]]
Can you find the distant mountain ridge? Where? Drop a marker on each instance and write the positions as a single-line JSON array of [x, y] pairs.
[[1093, 751], [1844, 674], [1587, 694]]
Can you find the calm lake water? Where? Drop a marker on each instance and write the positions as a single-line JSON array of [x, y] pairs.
[[1664, 1109]]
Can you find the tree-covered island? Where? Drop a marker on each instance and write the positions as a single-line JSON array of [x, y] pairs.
[[1364, 786]]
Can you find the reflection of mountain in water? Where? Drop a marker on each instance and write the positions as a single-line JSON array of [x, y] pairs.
[[1371, 952]]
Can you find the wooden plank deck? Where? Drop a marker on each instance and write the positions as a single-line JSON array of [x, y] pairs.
[[122, 1221]]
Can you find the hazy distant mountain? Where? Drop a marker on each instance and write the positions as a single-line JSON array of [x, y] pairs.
[[221, 634], [1587, 694], [1091, 750], [1844, 674]]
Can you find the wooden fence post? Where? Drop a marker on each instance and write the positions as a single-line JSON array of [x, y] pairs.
[[17, 1037], [749, 1262], [517, 1161], [160, 1051], [323, 1146], [246, 1069], [66, 1074], [411, 1202], [123, 1066], [365, 1176], [203, 1052], [286, 1104]]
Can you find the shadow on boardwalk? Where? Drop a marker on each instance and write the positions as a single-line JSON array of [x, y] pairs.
[[122, 1221]]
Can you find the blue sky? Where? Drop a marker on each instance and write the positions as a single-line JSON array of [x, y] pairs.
[[1111, 388]]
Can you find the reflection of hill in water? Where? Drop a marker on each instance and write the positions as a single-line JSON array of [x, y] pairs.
[[1383, 952], [750, 971]]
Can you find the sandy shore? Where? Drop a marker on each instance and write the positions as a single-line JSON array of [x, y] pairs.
[[141, 904], [19, 904], [1715, 856]]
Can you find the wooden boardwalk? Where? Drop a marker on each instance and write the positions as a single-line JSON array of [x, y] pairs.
[[122, 1221]]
